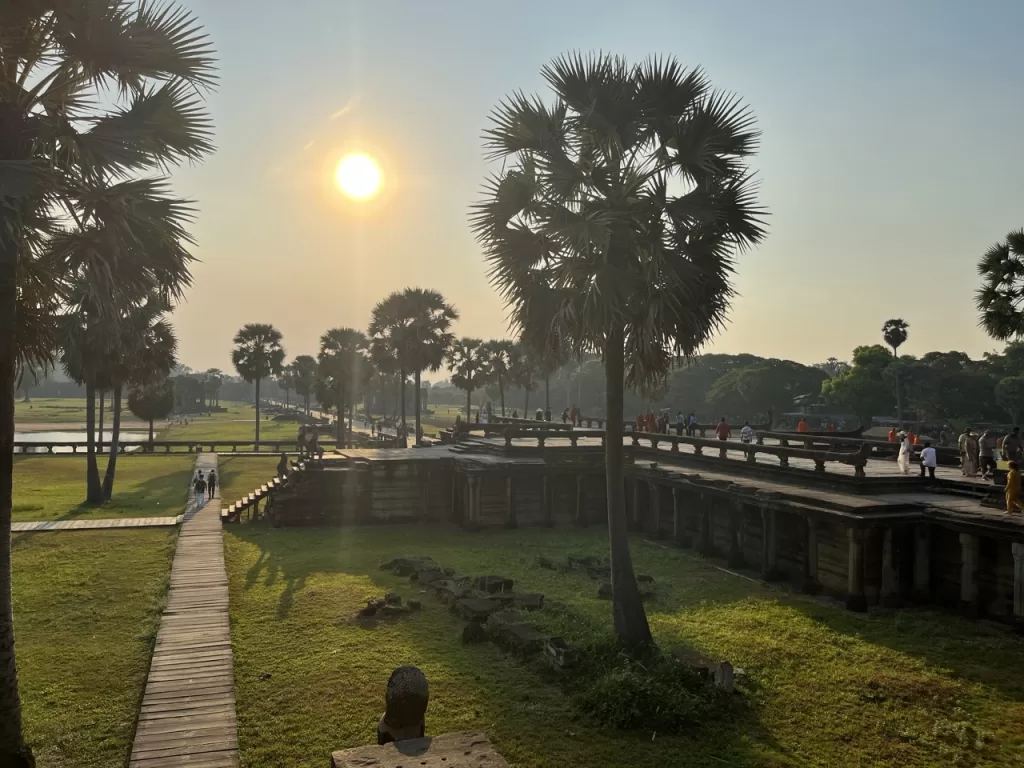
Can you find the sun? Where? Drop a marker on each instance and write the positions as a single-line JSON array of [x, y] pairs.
[[358, 176]]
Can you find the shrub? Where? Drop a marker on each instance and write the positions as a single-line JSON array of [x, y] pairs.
[[652, 691]]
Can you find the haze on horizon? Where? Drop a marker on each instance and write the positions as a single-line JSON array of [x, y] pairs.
[[889, 159]]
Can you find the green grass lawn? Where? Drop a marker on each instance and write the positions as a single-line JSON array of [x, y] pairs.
[[238, 423], [57, 410], [53, 487], [823, 687], [239, 475], [86, 607]]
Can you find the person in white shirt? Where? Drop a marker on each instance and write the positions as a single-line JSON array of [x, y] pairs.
[[747, 433], [928, 460]]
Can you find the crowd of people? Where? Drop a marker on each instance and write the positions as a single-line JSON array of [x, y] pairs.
[[204, 486]]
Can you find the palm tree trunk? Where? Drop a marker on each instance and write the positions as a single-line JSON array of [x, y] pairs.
[[257, 446], [416, 395], [469, 405], [287, 403], [13, 750], [526, 403], [351, 418], [93, 491], [401, 426], [627, 609], [115, 437], [150, 435], [103, 401], [501, 394]]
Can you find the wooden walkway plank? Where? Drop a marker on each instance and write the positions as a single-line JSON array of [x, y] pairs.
[[187, 715], [93, 525]]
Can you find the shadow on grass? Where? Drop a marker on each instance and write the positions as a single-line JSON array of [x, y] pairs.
[[474, 681]]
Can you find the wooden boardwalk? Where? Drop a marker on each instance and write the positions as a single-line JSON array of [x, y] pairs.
[[187, 717], [92, 525]]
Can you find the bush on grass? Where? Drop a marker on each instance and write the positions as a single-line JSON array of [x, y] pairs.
[[651, 690]]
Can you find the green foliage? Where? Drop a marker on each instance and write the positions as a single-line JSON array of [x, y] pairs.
[[152, 401], [342, 368], [258, 352], [653, 691], [999, 298], [895, 332], [1010, 396], [766, 386], [469, 364]]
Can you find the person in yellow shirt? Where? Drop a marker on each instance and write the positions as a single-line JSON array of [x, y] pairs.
[[1013, 500]]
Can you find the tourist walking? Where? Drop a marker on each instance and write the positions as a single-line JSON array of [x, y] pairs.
[[722, 430], [971, 448], [200, 489], [211, 484], [987, 453], [680, 423], [691, 425], [801, 425], [747, 433], [574, 415], [928, 461], [1013, 483], [961, 445], [903, 460], [1012, 446]]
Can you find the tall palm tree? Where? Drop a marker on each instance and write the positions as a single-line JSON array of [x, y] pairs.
[[388, 338], [304, 371], [1000, 298], [286, 381], [257, 355], [213, 378], [467, 361], [412, 326], [499, 360], [615, 221], [342, 371], [152, 401], [144, 351], [523, 372], [89, 92], [894, 332], [427, 339]]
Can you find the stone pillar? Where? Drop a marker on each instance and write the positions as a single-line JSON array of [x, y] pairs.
[[654, 491], [678, 521], [635, 523], [769, 544], [855, 600], [510, 502], [922, 562], [581, 501], [736, 559], [969, 574], [707, 544], [473, 500], [811, 584], [1018, 581], [890, 596], [549, 519]]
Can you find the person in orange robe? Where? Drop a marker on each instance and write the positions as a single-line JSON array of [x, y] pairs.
[[892, 435], [802, 426]]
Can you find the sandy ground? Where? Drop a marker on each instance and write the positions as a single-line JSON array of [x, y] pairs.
[[74, 426]]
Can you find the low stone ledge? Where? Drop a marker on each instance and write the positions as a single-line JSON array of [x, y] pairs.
[[465, 749]]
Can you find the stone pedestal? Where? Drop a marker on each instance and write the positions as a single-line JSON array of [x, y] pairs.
[[855, 599], [510, 502], [678, 521], [969, 574], [1018, 582], [450, 750], [923, 563], [811, 585], [890, 592], [769, 544]]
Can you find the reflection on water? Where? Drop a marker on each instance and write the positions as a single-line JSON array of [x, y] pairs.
[[47, 438]]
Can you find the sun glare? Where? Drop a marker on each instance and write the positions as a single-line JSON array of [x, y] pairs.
[[358, 176]]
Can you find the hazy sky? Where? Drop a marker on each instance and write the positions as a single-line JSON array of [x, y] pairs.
[[891, 157]]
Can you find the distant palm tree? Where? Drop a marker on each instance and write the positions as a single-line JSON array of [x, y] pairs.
[[304, 371], [257, 355], [286, 381], [894, 332], [468, 363], [342, 372], [152, 401], [615, 222], [999, 300], [523, 372], [213, 378], [499, 361], [412, 326]]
